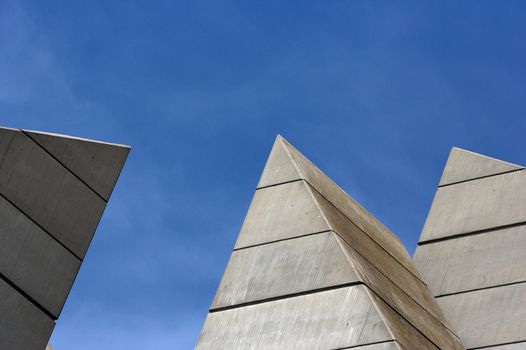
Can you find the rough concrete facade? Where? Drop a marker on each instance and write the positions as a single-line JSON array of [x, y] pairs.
[[312, 269], [53, 191], [472, 251]]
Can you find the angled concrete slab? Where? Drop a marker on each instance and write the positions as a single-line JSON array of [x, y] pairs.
[[283, 268], [476, 205], [47, 192], [22, 325], [280, 212], [385, 263], [332, 319], [489, 316], [464, 165], [280, 167], [351, 209], [33, 261], [472, 262], [97, 163]]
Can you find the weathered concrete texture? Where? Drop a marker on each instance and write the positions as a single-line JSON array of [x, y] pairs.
[[98, 164], [33, 261], [472, 250], [473, 262], [281, 212], [22, 325], [391, 345], [477, 205], [326, 320], [284, 268], [49, 210], [488, 317], [299, 246], [464, 165], [47, 192], [299, 167], [383, 262]]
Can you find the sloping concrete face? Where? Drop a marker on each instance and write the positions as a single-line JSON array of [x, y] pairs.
[[472, 251], [314, 270], [48, 215]]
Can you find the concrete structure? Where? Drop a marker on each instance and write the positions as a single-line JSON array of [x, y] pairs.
[[53, 191], [312, 269], [472, 251]]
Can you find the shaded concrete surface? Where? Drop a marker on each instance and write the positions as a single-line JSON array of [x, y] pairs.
[[472, 250], [311, 269], [49, 210]]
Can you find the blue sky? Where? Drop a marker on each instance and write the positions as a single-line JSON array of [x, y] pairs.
[[374, 92]]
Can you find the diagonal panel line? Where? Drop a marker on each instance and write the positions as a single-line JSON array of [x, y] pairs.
[[479, 289], [480, 177], [286, 296], [64, 165], [40, 226], [27, 297]]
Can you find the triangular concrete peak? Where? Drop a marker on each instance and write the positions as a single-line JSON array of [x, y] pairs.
[[280, 166], [98, 164], [463, 165]]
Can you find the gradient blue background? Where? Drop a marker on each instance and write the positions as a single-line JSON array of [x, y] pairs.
[[374, 92]]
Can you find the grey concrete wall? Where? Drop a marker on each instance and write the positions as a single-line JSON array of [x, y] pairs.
[[311, 269], [472, 251], [52, 195]]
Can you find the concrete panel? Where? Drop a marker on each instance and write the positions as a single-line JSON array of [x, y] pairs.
[[379, 258], [403, 332], [471, 262], [283, 268], [47, 192], [411, 311], [488, 317], [464, 165], [351, 209], [280, 212], [33, 261], [477, 205], [279, 167], [332, 319], [97, 163], [22, 325]]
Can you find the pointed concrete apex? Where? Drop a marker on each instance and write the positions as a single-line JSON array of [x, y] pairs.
[[98, 164], [464, 165], [280, 167]]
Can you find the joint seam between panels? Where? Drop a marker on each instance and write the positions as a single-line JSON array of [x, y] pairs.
[[278, 184], [480, 177], [472, 233], [64, 166], [399, 314], [26, 296], [286, 296], [394, 284], [359, 228], [480, 289], [40, 226], [367, 344], [495, 345], [282, 240]]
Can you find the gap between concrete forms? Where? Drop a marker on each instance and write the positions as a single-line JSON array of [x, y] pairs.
[[480, 177], [27, 297], [279, 183], [282, 240], [472, 233], [40, 226], [63, 165], [479, 289], [501, 344], [286, 296], [368, 344]]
